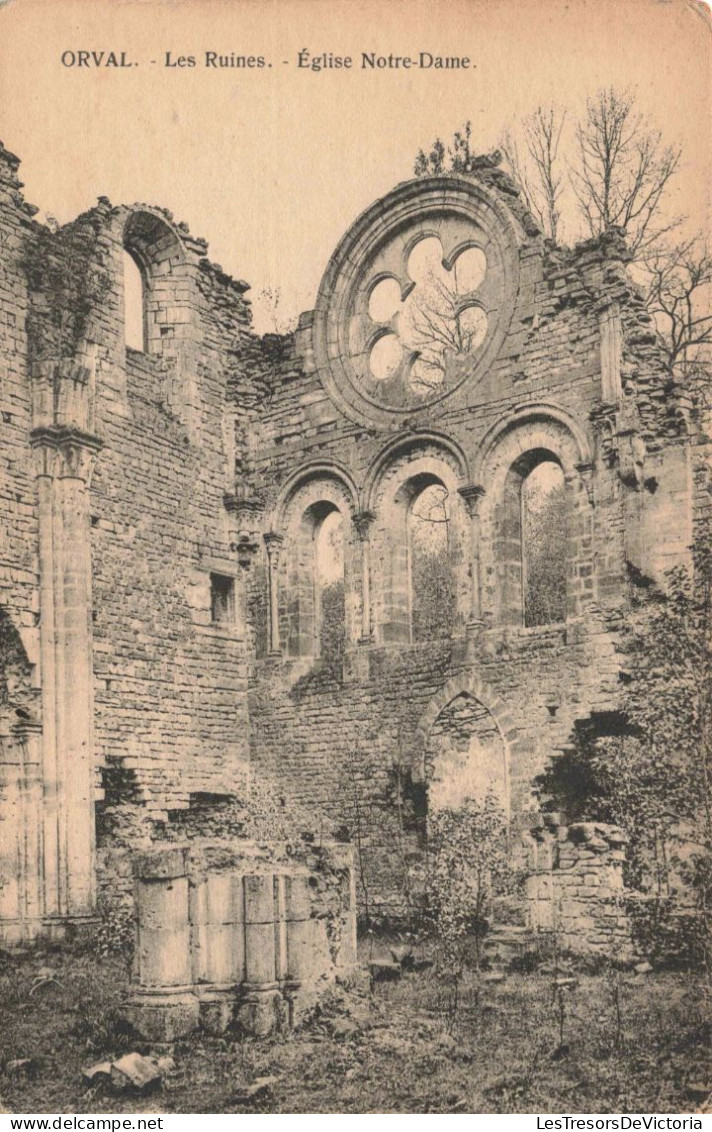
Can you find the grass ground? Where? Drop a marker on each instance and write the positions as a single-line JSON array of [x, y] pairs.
[[511, 1046]]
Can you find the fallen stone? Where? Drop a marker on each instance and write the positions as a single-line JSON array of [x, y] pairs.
[[384, 971], [699, 1090], [259, 1087], [493, 976], [19, 1065], [101, 1069], [642, 968], [566, 982], [134, 1071], [342, 1028]]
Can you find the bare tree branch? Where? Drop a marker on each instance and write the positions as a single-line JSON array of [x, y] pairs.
[[678, 293], [621, 172]]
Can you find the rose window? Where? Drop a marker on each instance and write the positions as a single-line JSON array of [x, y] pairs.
[[416, 300], [440, 316]]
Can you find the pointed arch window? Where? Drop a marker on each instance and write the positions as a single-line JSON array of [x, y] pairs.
[[134, 303]]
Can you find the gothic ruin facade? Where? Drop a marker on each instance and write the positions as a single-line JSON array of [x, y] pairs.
[[179, 667]]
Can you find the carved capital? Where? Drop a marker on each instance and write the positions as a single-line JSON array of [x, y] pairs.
[[472, 493], [585, 471], [247, 509], [65, 453], [63, 393], [273, 543], [246, 548], [631, 458], [362, 521]]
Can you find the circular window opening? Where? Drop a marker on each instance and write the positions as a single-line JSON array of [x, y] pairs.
[[385, 357], [384, 300], [469, 269], [471, 329]]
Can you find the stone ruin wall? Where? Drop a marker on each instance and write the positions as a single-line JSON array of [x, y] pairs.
[[224, 935], [209, 447], [574, 888], [578, 373]]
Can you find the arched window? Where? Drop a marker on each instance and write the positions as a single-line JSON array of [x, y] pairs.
[[329, 584], [544, 551], [431, 575], [314, 599], [532, 541], [134, 303], [418, 578]]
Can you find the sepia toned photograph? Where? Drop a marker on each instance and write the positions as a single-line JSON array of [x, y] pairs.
[[355, 560]]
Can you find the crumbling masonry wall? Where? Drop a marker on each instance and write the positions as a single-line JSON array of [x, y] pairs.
[[573, 372], [172, 659], [574, 888]]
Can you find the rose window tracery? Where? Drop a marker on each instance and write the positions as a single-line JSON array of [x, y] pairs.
[[417, 299], [441, 315]]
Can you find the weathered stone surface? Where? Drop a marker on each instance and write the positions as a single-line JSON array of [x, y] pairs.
[[177, 655]]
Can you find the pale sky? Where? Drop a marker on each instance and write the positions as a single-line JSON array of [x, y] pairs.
[[272, 164]]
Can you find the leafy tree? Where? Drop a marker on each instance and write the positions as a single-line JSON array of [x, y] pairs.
[[432, 582], [650, 770], [332, 622], [454, 158], [468, 865]]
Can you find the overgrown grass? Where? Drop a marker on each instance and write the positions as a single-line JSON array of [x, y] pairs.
[[613, 1041]]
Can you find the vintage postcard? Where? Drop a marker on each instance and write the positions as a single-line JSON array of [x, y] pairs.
[[355, 573]]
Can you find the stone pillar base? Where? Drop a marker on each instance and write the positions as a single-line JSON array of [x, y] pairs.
[[217, 1009], [261, 1012], [163, 1017]]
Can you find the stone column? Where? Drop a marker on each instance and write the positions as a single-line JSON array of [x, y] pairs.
[[162, 1005], [217, 935], [609, 322], [362, 522], [21, 903], [260, 1010], [273, 543], [65, 459], [472, 495]]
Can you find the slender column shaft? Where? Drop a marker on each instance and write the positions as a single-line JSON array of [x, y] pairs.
[[273, 543]]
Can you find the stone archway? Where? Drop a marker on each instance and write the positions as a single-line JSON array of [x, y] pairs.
[[463, 742], [465, 756]]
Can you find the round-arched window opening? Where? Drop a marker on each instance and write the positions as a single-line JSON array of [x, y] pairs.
[[384, 300], [385, 357], [544, 544], [469, 270], [329, 583], [431, 574], [134, 303]]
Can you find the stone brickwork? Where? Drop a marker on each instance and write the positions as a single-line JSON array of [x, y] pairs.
[[575, 377], [174, 663], [221, 939], [575, 887], [120, 521]]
